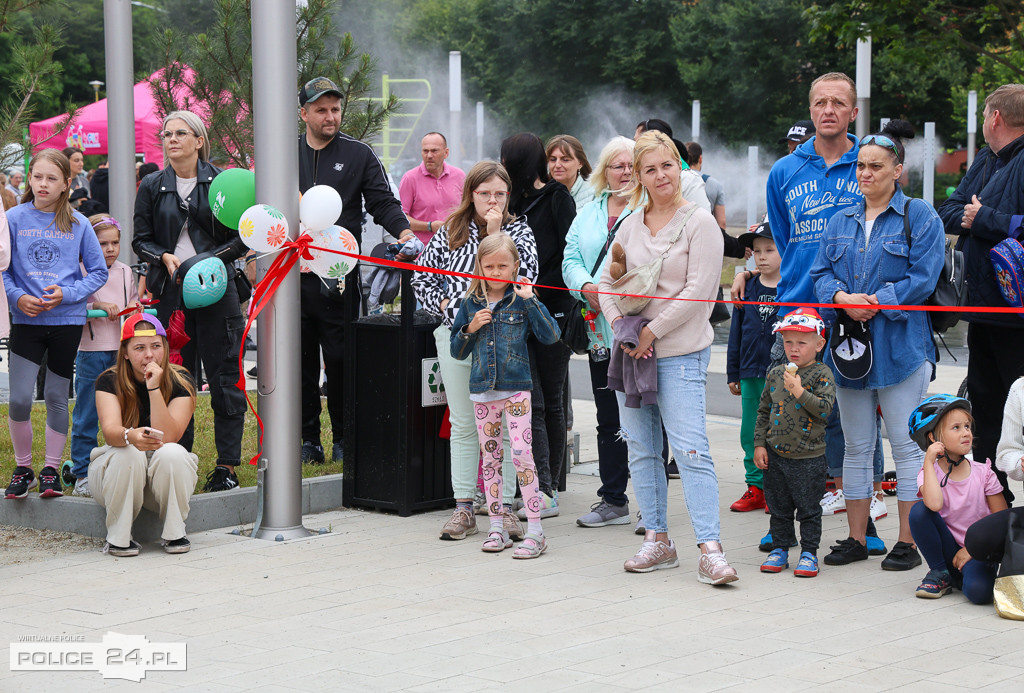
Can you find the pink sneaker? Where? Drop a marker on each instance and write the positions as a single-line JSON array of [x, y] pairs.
[[713, 568], [653, 555]]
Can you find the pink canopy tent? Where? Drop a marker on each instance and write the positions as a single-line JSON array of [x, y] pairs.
[[89, 130]]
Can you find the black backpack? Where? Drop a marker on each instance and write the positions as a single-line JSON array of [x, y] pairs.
[[950, 290]]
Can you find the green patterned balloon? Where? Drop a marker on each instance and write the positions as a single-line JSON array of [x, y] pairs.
[[231, 193]]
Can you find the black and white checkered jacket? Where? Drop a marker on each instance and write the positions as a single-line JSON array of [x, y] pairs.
[[432, 288]]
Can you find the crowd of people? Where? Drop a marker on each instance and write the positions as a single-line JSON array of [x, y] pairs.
[[598, 241]]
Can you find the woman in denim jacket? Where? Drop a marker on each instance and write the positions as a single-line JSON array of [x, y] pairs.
[[864, 258], [493, 323]]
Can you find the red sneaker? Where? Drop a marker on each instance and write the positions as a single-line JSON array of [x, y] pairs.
[[753, 499]]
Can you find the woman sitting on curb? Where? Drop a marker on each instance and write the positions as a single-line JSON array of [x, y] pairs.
[[144, 405]]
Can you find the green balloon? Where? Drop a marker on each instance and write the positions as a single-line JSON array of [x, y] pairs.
[[231, 193], [950, 190]]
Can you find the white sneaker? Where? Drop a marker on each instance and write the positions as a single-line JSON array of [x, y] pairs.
[[82, 488], [833, 502], [878, 509]]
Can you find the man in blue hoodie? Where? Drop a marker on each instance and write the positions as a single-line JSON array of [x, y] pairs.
[[814, 182], [804, 190]]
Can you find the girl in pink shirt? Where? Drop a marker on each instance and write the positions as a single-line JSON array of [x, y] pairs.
[[955, 493]]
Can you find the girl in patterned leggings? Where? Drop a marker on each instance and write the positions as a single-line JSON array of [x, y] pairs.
[[493, 323]]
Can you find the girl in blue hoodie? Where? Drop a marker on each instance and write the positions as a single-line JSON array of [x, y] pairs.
[[47, 293]]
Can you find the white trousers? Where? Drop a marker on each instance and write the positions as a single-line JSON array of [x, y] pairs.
[[125, 479]]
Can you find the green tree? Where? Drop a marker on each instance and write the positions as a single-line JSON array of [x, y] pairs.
[[29, 72], [214, 72], [990, 30], [967, 44], [749, 63], [535, 63]]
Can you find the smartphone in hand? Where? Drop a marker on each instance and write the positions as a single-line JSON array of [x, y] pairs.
[[154, 433]]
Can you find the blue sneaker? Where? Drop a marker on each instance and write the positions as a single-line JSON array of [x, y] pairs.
[[808, 565], [777, 560], [766, 544], [876, 547]]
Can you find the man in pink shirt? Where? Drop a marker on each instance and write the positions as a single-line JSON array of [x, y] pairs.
[[432, 190]]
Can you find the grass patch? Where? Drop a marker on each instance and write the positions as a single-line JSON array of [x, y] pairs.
[[203, 446]]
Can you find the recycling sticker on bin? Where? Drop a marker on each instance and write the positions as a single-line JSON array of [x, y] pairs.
[[431, 386]]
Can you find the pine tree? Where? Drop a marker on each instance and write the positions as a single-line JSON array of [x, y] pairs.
[[31, 70], [215, 68]]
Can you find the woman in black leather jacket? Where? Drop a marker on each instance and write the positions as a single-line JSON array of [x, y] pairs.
[[174, 222]]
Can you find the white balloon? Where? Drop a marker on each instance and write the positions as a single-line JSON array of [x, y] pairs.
[[320, 207], [332, 265], [263, 228]]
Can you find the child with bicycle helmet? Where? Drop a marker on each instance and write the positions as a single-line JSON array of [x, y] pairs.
[[956, 492]]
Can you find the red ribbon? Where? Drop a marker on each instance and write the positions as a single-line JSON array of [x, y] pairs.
[[873, 306], [292, 251], [300, 247]]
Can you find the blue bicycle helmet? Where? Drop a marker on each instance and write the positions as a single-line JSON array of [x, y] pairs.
[[205, 279], [926, 415]]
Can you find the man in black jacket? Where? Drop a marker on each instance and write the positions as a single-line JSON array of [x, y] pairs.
[[982, 212], [329, 157]]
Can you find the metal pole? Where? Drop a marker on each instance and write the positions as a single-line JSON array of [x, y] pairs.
[[117, 40], [276, 143], [385, 135], [479, 130], [752, 186], [929, 163], [455, 106], [695, 121], [863, 122], [972, 125]]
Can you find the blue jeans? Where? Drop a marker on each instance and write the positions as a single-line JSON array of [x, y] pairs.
[[835, 447], [681, 395], [859, 421], [938, 546], [84, 420], [465, 444]]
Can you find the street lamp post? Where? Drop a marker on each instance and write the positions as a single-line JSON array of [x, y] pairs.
[[96, 84]]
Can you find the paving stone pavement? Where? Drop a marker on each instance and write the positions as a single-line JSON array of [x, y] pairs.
[[380, 604]]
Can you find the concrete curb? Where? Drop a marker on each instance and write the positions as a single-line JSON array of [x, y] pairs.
[[206, 511]]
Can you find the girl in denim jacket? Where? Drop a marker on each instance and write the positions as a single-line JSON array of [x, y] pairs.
[[493, 323]]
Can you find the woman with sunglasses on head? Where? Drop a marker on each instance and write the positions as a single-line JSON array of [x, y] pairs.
[[548, 208], [174, 223], [888, 250], [586, 254], [482, 212]]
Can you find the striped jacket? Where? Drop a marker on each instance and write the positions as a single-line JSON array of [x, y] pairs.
[[433, 288]]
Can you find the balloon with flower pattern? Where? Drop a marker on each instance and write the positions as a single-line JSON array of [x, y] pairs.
[[263, 228], [332, 265]]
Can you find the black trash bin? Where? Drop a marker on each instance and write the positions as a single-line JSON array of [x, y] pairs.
[[394, 458]]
